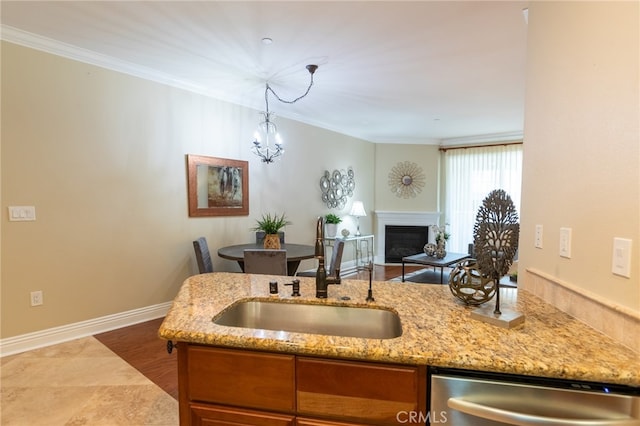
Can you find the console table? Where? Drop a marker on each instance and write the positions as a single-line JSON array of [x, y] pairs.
[[362, 249]]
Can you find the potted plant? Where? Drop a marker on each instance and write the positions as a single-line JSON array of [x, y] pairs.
[[271, 225], [331, 220]]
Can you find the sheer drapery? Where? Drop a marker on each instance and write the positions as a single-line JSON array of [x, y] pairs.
[[470, 174]]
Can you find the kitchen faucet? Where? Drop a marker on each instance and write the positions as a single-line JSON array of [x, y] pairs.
[[322, 281]]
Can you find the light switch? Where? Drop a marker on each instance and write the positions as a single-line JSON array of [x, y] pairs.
[[537, 241], [621, 263], [565, 242], [22, 213]]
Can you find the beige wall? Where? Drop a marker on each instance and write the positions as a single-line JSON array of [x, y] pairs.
[[101, 155], [426, 157], [581, 151]]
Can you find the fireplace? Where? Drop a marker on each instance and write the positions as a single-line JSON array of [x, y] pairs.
[[394, 218], [401, 241]]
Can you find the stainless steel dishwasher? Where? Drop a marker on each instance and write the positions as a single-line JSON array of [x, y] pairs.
[[461, 398]]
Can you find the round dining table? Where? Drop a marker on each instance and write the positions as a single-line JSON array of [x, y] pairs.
[[295, 254]]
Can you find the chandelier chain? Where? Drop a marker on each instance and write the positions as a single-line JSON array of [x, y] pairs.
[[270, 89]]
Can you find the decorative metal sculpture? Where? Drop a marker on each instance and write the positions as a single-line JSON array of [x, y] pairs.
[[336, 187], [495, 238], [406, 179], [469, 285]]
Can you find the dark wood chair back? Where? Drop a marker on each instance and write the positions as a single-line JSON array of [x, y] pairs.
[[203, 257], [336, 258], [334, 264]]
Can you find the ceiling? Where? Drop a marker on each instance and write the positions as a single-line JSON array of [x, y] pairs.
[[434, 72]]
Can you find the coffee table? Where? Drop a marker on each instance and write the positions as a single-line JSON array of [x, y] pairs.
[[423, 259]]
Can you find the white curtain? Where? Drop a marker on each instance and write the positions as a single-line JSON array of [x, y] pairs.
[[470, 174]]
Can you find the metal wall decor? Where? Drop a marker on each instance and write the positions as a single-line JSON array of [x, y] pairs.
[[495, 237], [336, 187], [406, 179]]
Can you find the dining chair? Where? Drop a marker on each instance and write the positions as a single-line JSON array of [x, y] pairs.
[[336, 261], [203, 257], [262, 261]]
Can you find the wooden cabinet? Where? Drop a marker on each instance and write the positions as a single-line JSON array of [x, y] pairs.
[[220, 386], [212, 415], [356, 390], [241, 378]]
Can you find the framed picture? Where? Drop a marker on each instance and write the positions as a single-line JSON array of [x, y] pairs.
[[217, 186]]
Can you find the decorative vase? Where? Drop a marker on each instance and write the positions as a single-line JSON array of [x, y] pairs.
[[331, 229], [430, 249], [272, 241], [440, 251]]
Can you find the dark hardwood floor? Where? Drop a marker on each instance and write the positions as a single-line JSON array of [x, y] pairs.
[[140, 346]]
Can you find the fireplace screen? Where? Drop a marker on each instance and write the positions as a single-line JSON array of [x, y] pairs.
[[401, 241]]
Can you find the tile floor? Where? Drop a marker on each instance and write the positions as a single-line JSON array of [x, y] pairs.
[[80, 382]]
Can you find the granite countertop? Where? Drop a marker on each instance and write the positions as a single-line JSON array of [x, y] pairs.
[[437, 329]]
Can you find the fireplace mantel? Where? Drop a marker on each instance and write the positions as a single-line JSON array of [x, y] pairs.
[[384, 218]]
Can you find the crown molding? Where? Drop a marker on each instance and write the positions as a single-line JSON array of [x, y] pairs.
[[484, 139], [44, 44]]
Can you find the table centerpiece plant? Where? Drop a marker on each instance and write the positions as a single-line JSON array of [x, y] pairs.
[[271, 226]]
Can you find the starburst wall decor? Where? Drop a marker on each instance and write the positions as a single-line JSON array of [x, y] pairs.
[[406, 179]]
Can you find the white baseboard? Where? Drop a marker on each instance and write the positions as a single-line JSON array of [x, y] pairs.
[[64, 333]]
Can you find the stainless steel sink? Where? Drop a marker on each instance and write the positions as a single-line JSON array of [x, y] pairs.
[[313, 319]]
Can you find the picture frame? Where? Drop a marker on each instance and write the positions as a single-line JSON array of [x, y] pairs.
[[217, 186]]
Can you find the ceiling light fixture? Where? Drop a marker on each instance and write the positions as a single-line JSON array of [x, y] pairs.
[[267, 129]]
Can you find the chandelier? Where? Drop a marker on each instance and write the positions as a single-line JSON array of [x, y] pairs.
[[267, 143]]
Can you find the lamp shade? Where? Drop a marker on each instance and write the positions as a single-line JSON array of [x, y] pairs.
[[357, 209]]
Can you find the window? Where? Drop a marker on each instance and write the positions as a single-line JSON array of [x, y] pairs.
[[470, 175]]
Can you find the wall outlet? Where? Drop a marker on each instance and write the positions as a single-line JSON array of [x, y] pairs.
[[37, 298], [537, 239], [565, 242], [621, 262]]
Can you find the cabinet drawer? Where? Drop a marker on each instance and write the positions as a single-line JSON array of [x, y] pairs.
[[211, 415], [241, 378], [313, 422], [358, 391]]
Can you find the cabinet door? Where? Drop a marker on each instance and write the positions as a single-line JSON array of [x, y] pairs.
[[212, 415], [241, 378], [359, 391]]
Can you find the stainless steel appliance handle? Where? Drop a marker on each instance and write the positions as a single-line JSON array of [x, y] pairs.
[[524, 419]]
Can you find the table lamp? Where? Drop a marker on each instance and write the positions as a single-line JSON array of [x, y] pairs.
[[357, 210]]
